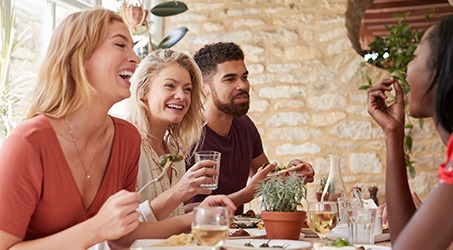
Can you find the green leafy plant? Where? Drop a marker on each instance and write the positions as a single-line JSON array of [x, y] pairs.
[[282, 194], [393, 53], [322, 183], [11, 87]]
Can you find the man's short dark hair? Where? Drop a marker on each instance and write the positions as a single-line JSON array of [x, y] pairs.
[[214, 54]]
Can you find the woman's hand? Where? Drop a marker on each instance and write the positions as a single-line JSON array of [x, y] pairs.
[[118, 216], [190, 183], [390, 118], [219, 200]]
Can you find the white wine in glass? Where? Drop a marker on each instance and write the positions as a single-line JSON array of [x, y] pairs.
[[322, 217], [210, 226]]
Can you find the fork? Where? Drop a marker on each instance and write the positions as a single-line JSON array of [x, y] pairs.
[[159, 177]]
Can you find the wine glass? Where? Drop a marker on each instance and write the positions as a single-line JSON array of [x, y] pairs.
[[322, 217], [210, 226]]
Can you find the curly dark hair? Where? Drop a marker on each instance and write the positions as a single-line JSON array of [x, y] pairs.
[[214, 54], [441, 62]]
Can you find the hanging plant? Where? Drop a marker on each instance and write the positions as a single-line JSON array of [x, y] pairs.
[[136, 17], [393, 53]]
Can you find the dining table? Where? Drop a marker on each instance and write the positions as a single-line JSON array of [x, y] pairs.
[[310, 238], [316, 239]]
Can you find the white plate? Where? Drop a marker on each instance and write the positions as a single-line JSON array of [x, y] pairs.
[[377, 238], [374, 247], [149, 244], [231, 244], [255, 233]]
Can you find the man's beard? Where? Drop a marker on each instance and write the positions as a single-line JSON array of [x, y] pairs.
[[231, 108]]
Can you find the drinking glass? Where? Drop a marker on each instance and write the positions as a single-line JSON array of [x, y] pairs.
[[343, 204], [322, 217], [361, 225], [210, 226], [213, 156]]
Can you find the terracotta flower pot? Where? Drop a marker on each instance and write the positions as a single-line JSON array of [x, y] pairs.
[[283, 225]]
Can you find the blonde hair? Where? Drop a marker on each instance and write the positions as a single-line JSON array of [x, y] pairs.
[[188, 132], [62, 85]]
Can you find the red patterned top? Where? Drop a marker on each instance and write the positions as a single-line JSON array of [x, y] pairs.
[[446, 169]]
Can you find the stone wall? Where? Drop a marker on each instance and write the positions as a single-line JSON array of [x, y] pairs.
[[304, 81]]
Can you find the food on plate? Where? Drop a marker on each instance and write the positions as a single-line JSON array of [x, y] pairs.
[[178, 240], [250, 214], [238, 233], [241, 221], [244, 225], [263, 245], [338, 244]]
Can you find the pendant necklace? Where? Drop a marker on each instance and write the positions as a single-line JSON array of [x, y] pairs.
[[87, 171]]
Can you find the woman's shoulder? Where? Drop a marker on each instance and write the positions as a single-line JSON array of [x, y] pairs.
[[36, 125]]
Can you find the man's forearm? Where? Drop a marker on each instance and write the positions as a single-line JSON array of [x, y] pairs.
[[242, 196]]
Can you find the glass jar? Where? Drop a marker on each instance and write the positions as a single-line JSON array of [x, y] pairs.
[[334, 187]]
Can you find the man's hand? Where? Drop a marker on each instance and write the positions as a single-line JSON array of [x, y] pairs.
[[303, 169]]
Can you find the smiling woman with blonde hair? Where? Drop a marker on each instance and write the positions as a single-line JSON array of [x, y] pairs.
[[166, 107], [68, 172]]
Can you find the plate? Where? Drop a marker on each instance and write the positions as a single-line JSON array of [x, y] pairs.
[[377, 238], [255, 233], [374, 247], [148, 244], [238, 244]]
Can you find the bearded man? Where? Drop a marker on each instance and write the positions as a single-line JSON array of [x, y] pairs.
[[229, 130]]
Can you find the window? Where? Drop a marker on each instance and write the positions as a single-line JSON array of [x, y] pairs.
[[38, 18]]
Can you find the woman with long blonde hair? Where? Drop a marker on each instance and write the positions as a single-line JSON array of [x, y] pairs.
[[68, 172], [166, 107]]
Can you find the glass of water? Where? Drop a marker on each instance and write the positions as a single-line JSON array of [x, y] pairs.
[[213, 156]]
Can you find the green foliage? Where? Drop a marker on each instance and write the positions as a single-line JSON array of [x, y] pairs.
[[169, 8], [393, 53], [282, 194], [322, 183]]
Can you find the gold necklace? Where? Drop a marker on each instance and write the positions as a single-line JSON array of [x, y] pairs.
[[87, 172]]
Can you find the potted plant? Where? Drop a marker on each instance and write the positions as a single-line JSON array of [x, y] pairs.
[[280, 199], [136, 17]]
